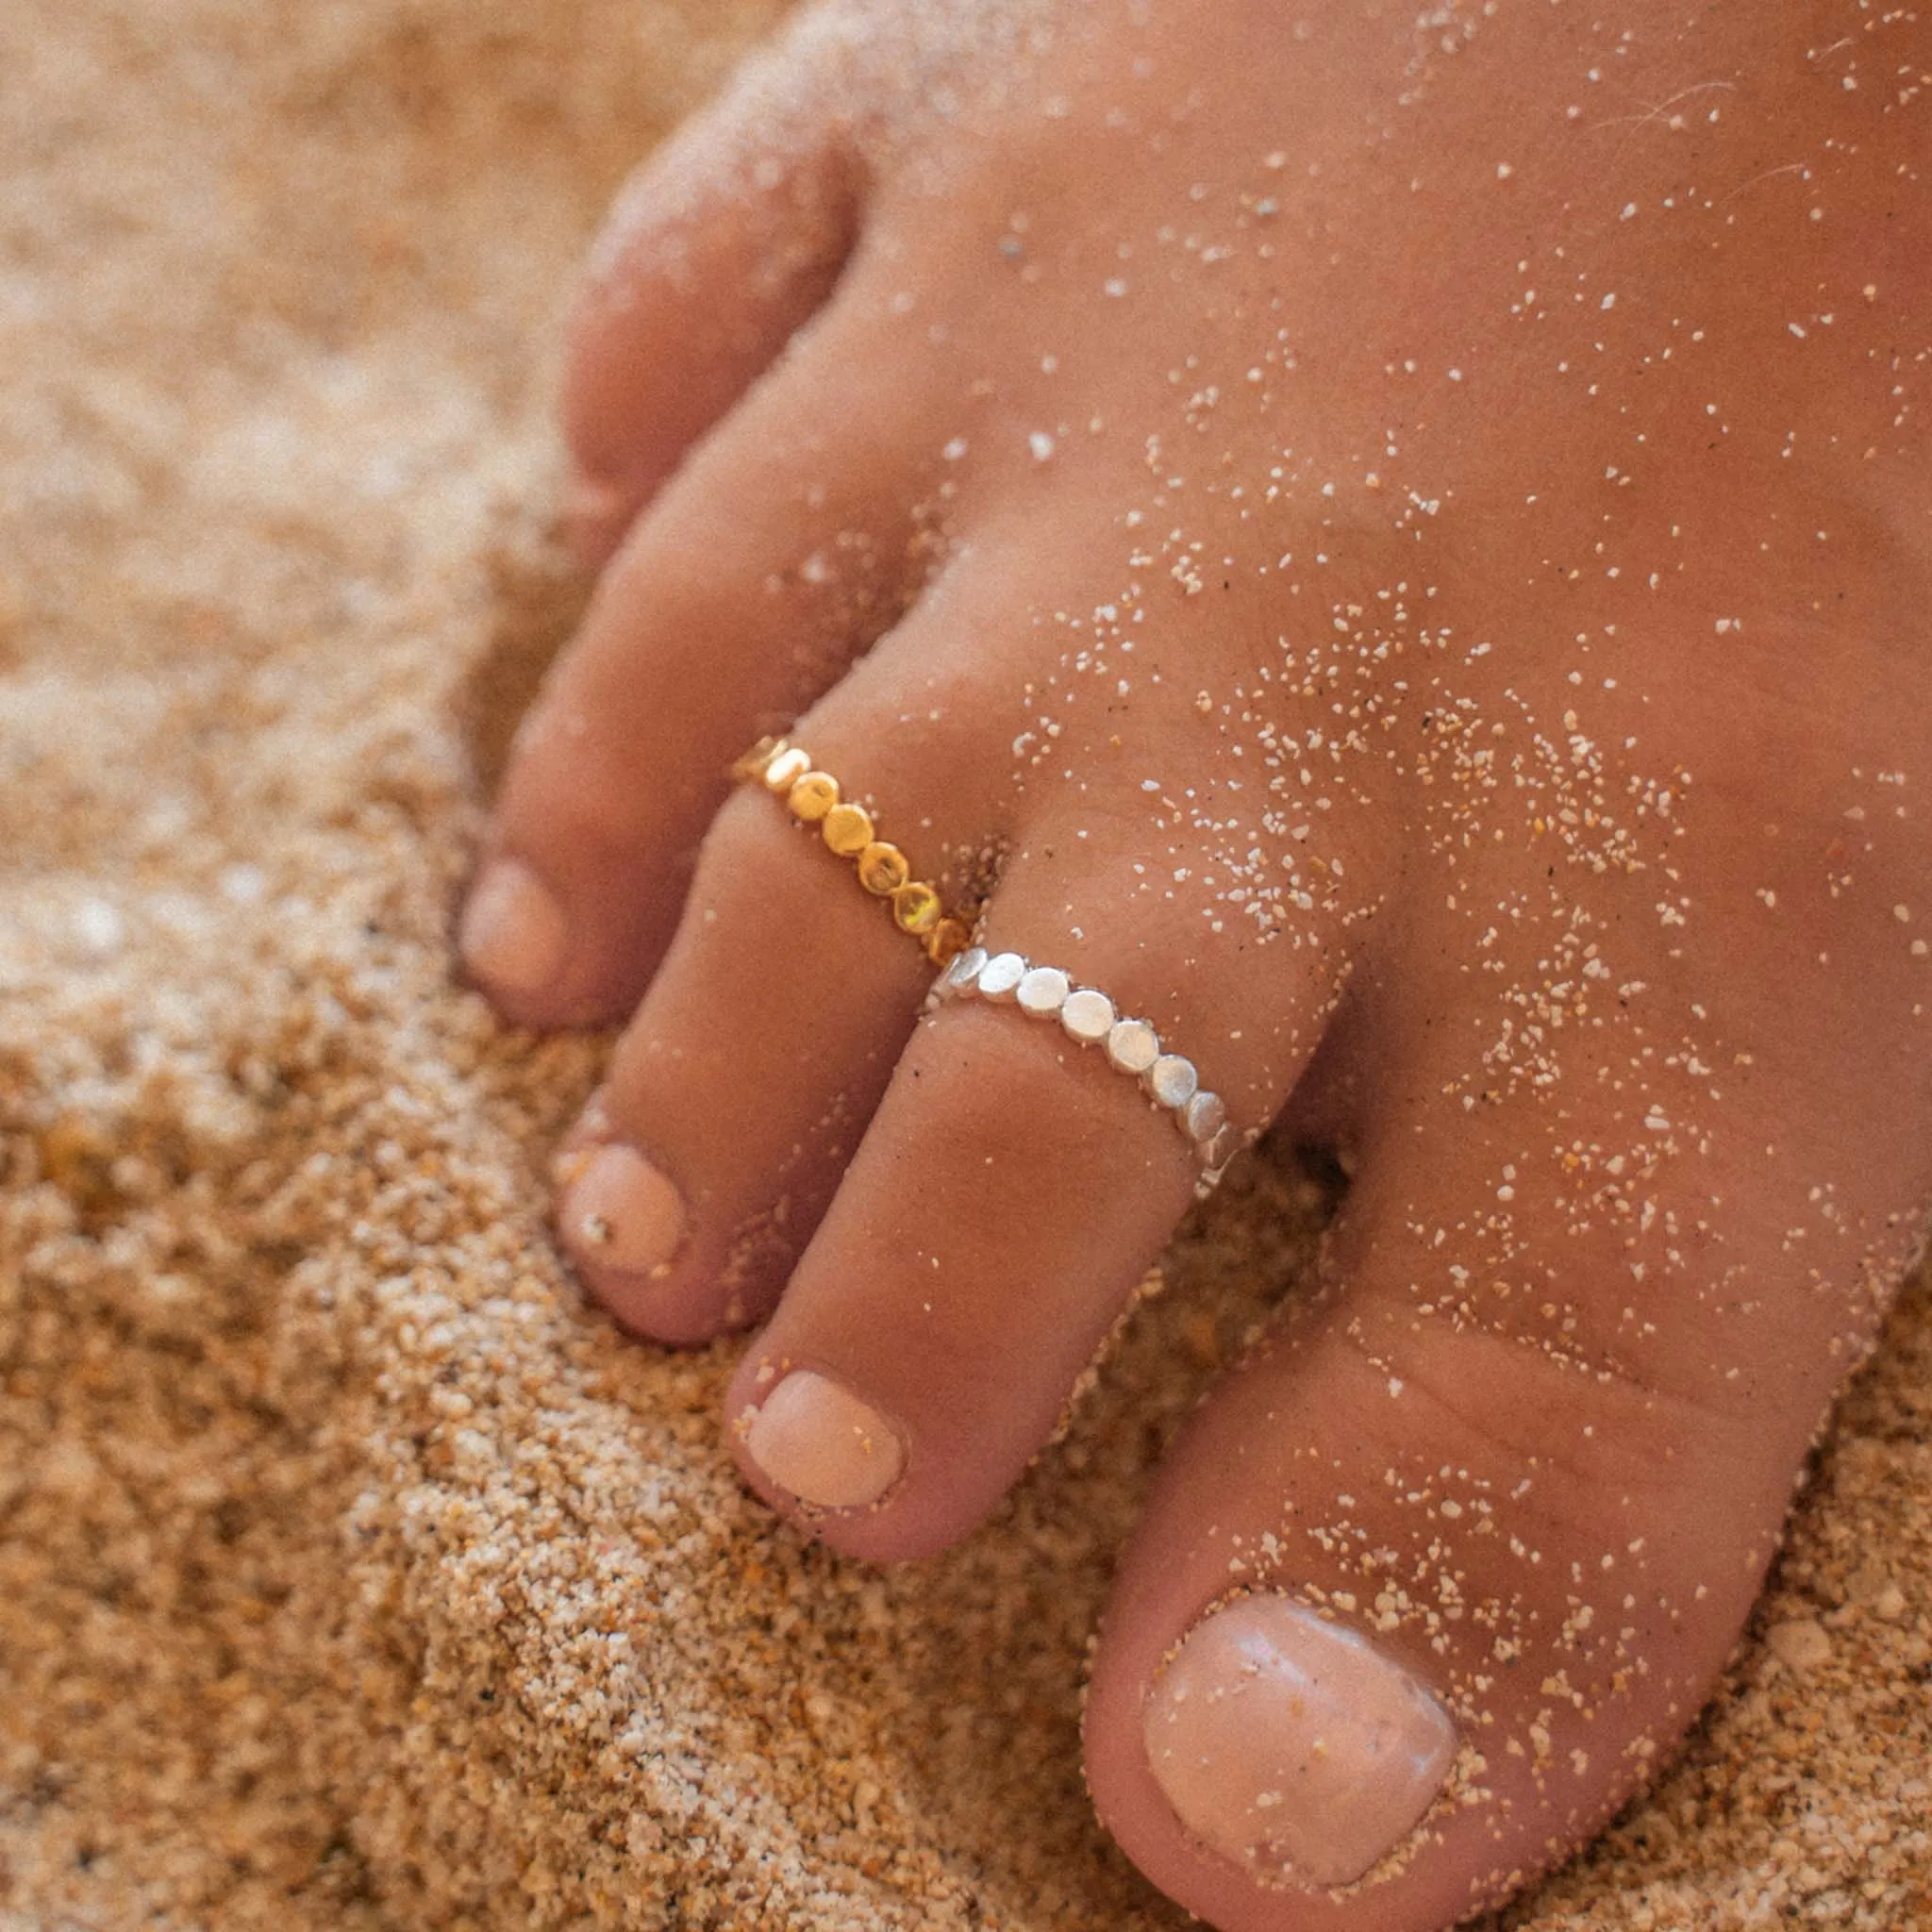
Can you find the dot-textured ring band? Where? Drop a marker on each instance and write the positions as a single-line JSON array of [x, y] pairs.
[[1089, 1017], [813, 798]]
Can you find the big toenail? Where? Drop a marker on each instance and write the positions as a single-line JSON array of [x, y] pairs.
[[620, 1212], [824, 1446], [513, 935], [1291, 1745]]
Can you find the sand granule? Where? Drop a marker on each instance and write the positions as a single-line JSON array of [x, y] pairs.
[[354, 1574]]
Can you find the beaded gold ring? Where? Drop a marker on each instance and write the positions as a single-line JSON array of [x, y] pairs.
[[814, 799]]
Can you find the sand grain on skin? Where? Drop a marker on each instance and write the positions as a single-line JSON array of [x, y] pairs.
[[352, 1574]]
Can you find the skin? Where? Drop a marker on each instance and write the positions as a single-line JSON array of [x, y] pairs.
[[1474, 477]]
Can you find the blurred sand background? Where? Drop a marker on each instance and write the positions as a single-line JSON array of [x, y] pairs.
[[352, 1574]]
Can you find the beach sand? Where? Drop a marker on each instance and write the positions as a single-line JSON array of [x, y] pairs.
[[354, 1574]]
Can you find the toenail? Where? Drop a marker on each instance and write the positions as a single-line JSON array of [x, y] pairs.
[[1292, 1746], [513, 936], [620, 1212], [824, 1446]]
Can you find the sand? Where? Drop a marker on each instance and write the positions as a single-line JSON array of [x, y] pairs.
[[352, 1574]]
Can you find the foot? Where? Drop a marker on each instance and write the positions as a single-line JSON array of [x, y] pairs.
[[1399, 555]]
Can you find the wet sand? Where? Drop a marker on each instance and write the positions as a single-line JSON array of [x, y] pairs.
[[352, 1573]]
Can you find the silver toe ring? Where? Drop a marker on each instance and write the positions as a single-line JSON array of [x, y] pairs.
[[1088, 1018]]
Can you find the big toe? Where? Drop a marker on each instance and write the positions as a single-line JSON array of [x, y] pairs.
[[1448, 1565]]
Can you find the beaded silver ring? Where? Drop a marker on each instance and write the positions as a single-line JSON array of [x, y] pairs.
[[1090, 1018]]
